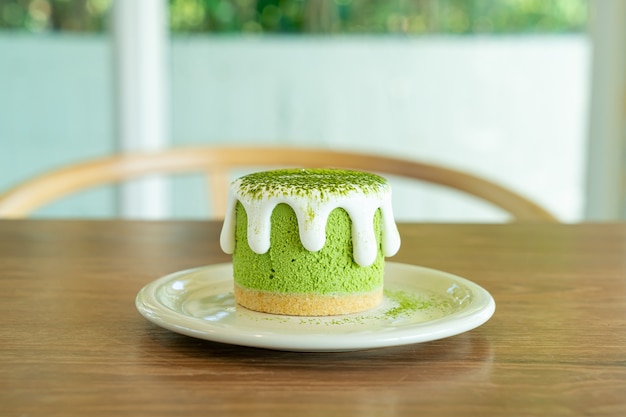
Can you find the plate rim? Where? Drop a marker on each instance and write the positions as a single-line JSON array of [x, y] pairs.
[[480, 309]]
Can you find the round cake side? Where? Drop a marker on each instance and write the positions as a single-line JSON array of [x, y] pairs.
[[289, 279], [309, 242]]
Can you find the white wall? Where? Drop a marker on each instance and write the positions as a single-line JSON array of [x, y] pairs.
[[510, 108], [56, 108]]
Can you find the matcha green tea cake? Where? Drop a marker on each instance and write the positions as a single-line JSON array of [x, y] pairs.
[[309, 241]]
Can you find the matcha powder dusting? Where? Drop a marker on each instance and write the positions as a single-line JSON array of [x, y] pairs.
[[308, 182], [407, 303]]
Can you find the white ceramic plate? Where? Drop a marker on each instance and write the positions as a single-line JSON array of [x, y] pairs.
[[419, 305]]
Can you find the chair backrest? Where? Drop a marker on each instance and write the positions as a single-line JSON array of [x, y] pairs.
[[218, 162]]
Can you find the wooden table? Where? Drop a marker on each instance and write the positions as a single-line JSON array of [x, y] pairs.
[[73, 344]]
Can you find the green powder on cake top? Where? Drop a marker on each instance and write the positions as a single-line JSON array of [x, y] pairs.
[[321, 183]]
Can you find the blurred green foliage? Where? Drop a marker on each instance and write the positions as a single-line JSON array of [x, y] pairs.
[[314, 16]]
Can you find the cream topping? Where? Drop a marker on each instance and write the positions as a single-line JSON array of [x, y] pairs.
[[312, 209]]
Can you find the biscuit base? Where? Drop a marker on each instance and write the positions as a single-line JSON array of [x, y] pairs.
[[306, 304]]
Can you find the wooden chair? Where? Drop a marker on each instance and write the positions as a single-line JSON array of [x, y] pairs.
[[218, 162]]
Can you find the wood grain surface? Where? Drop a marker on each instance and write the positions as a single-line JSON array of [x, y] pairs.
[[73, 344]]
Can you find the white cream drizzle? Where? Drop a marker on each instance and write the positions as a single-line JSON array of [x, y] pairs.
[[312, 214]]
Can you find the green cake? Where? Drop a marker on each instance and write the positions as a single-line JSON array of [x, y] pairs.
[[309, 241]]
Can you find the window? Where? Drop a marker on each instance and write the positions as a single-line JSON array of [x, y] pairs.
[[499, 88]]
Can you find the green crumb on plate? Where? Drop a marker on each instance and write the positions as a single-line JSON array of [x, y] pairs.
[[407, 303]]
